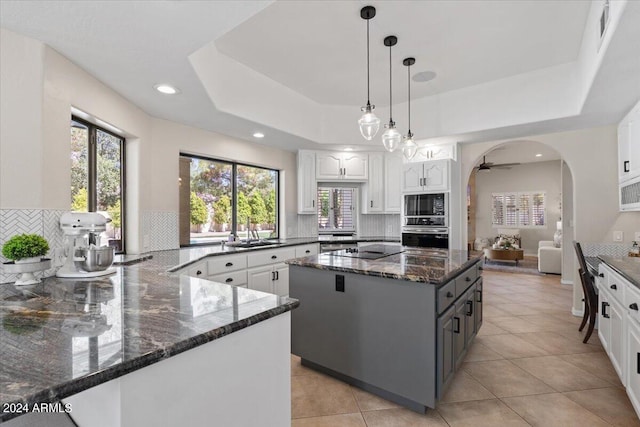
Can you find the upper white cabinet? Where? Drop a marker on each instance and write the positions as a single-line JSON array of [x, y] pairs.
[[392, 184], [381, 193], [341, 166], [629, 145], [307, 185], [425, 176]]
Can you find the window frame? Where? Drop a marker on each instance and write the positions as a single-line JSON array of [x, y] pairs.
[[234, 193], [518, 194], [354, 208], [92, 173]]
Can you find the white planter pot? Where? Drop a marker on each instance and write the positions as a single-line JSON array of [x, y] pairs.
[[28, 260]]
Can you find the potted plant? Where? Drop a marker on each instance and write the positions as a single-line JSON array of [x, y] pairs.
[[25, 248]]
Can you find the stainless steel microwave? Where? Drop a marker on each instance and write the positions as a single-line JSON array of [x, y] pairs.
[[426, 205]]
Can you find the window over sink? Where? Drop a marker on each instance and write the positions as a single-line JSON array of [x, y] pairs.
[[219, 198]]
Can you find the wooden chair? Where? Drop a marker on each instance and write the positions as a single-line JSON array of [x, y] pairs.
[[589, 291]]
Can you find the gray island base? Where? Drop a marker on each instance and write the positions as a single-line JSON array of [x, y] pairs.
[[399, 336]]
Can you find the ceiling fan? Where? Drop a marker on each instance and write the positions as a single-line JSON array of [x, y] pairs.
[[487, 166]]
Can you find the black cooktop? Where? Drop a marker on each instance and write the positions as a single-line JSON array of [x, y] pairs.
[[369, 252]]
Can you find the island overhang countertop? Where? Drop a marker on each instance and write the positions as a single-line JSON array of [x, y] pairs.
[[63, 336], [422, 265]]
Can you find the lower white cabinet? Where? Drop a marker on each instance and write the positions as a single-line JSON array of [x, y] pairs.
[[273, 279], [633, 364], [616, 340], [604, 322]]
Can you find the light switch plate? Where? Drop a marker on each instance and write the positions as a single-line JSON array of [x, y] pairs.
[[637, 236], [618, 236]]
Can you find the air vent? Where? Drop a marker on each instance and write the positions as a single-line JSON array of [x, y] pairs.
[[630, 196]]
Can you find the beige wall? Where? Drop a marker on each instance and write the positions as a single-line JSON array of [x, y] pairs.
[[38, 88], [539, 176]]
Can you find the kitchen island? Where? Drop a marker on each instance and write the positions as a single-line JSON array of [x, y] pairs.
[[395, 321], [144, 347]]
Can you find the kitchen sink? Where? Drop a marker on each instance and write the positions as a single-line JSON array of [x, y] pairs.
[[252, 244]]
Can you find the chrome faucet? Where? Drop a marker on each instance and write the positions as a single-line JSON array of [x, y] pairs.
[[248, 229]]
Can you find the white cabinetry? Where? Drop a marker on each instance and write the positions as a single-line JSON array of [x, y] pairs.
[[381, 194], [633, 364], [307, 185], [341, 166], [629, 145], [611, 318], [270, 274], [425, 176]]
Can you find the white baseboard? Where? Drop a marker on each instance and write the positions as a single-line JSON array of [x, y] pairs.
[[566, 282], [577, 313]]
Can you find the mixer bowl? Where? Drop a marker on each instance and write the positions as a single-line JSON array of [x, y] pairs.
[[94, 259]]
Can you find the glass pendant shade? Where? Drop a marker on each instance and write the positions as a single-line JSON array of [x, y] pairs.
[[369, 123], [391, 138], [409, 148]]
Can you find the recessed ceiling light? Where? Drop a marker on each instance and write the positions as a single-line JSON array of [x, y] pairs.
[[258, 135], [348, 149], [538, 155], [166, 89], [424, 76]]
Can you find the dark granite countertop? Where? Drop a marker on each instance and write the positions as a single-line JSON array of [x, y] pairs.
[[65, 335], [593, 264], [413, 264], [627, 267]]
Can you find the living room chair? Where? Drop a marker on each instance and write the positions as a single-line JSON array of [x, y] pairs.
[[549, 257]]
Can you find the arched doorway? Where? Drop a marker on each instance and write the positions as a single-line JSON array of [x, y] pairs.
[[538, 168]]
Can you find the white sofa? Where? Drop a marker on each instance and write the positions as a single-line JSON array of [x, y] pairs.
[[549, 257]]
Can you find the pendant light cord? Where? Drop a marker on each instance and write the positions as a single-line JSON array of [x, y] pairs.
[[390, 92], [368, 101], [409, 79]]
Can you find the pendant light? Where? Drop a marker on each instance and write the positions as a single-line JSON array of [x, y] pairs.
[[369, 123], [409, 149], [391, 138]]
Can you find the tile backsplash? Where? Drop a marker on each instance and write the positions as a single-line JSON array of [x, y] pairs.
[[45, 222], [368, 225], [616, 250]]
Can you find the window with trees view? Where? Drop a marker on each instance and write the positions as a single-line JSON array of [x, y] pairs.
[[231, 198], [97, 176]]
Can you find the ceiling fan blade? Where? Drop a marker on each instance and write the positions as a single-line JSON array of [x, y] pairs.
[[504, 164]]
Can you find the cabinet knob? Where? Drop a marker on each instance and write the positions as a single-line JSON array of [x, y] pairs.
[[274, 256], [449, 294], [601, 274], [229, 280], [481, 268], [198, 272], [614, 287], [229, 264], [307, 251], [467, 279], [634, 306]]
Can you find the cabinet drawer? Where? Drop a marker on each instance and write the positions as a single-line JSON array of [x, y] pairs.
[[632, 302], [466, 279], [197, 270], [615, 286], [235, 278], [218, 264], [264, 257], [446, 295], [306, 250]]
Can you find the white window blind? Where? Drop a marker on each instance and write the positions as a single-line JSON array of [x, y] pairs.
[[336, 210], [518, 210]]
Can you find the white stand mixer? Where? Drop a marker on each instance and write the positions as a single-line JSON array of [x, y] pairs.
[[85, 257]]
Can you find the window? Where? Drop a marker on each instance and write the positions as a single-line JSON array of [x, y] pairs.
[[336, 209], [230, 198], [518, 210], [97, 176]]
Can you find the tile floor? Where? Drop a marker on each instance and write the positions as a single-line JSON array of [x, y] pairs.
[[527, 366]]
